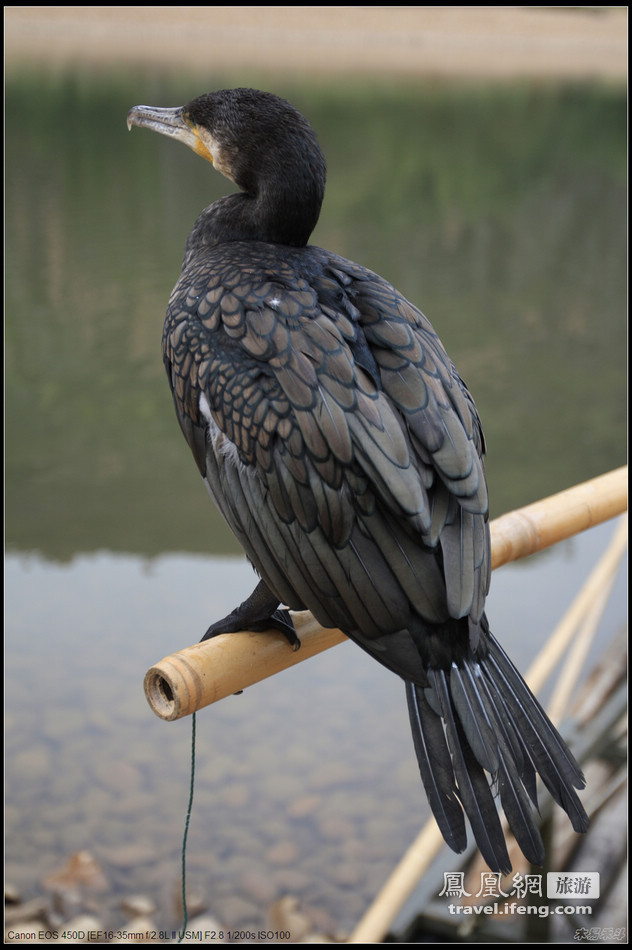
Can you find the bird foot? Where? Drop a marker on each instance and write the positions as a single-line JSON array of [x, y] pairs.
[[239, 620]]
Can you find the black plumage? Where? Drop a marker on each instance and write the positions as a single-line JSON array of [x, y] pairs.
[[345, 453]]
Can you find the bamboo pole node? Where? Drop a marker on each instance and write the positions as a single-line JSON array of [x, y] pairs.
[[184, 682]]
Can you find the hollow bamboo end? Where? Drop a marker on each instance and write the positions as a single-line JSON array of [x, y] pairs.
[[180, 684], [160, 694], [186, 681]]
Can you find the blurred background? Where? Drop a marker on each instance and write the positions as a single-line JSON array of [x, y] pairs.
[[477, 160]]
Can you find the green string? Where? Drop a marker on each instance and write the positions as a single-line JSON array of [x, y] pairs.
[[186, 832]]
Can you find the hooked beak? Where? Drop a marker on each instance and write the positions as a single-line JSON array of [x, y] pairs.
[[168, 121]]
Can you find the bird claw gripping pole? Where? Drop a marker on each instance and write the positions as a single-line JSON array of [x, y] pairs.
[[258, 613]]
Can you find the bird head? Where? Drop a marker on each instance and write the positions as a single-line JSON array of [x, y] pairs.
[[257, 140]]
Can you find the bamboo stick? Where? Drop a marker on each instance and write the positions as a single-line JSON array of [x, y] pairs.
[[205, 672], [587, 629], [580, 611], [545, 522]]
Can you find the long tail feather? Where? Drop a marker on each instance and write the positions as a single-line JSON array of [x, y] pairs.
[[435, 766], [548, 751], [478, 725], [469, 704], [513, 764], [472, 783]]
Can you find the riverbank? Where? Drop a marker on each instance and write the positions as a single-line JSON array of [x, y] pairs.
[[481, 42]]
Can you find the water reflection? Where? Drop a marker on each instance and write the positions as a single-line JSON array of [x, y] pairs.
[[501, 212]]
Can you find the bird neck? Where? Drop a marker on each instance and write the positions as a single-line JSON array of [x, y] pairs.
[[286, 208], [281, 209]]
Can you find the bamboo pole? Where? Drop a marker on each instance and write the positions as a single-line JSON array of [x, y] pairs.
[[582, 610], [201, 674], [544, 523], [595, 595]]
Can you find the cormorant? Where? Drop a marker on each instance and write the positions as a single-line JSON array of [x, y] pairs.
[[346, 454]]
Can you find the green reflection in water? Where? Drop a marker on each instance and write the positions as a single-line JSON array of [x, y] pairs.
[[499, 210]]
